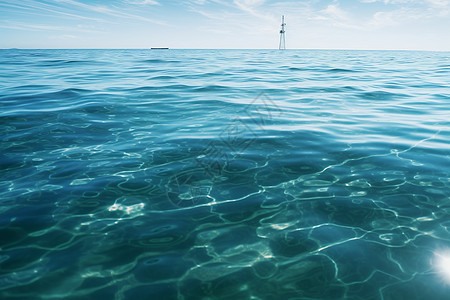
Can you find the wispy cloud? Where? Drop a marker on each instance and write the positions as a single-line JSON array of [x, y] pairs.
[[248, 23], [393, 17], [43, 27], [74, 10], [440, 7], [333, 11], [388, 1], [427, 10], [65, 37], [249, 5], [143, 2], [227, 17], [109, 11], [31, 27], [39, 8], [333, 14]]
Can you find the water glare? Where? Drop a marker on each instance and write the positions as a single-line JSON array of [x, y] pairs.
[[442, 262]]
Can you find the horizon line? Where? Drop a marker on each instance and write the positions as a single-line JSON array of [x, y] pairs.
[[274, 49]]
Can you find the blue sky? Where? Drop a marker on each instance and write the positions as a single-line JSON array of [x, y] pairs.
[[311, 24]]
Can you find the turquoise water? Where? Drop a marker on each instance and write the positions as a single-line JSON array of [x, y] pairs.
[[234, 174]]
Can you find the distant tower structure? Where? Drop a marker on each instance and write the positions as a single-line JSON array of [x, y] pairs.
[[282, 36]]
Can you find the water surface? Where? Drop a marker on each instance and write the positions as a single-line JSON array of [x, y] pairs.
[[224, 174]]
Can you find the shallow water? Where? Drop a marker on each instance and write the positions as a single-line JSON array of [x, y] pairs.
[[224, 174]]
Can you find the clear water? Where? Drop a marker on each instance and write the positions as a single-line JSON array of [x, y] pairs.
[[207, 174]]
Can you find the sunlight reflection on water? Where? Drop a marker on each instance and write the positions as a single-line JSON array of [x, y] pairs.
[[443, 264]]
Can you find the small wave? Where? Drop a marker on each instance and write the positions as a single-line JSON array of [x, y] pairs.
[[205, 75], [63, 94], [442, 96], [339, 70], [162, 77], [25, 89], [212, 88], [171, 87], [295, 69], [393, 86], [405, 110], [381, 95], [66, 93], [63, 62], [329, 90], [351, 88], [159, 61], [332, 70], [443, 69]]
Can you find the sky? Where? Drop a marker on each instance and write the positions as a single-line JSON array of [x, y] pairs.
[[220, 24]]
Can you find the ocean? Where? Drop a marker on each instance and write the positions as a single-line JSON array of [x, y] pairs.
[[224, 174]]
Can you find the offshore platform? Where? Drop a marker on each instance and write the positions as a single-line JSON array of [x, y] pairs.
[[282, 36]]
